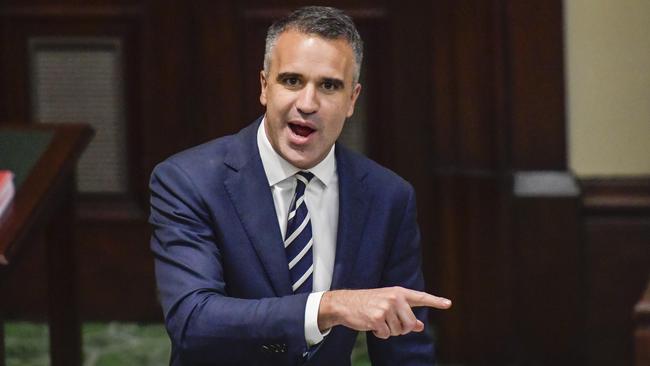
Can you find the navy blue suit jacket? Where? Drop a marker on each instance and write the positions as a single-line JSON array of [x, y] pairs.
[[222, 272]]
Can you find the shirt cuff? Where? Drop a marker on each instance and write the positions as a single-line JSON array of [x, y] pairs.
[[312, 333]]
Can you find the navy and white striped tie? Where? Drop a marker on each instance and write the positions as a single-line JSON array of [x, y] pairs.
[[298, 239]]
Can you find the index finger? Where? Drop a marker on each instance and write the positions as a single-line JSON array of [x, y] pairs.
[[419, 298]]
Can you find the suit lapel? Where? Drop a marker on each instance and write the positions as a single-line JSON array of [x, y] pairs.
[[251, 195], [353, 207]]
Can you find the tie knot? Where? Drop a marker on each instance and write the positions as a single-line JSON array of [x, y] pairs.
[[304, 177]]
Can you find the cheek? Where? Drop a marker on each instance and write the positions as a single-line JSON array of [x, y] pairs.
[[282, 98]]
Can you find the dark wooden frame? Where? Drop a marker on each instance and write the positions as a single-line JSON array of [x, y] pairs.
[[45, 203], [20, 24]]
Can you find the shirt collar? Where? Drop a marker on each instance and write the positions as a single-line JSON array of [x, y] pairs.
[[278, 169]]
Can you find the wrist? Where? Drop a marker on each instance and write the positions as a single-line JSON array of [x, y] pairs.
[[327, 311]]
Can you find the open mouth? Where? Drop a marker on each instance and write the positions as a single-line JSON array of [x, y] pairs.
[[303, 131]]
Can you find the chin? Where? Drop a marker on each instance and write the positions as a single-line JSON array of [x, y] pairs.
[[301, 162], [295, 157]]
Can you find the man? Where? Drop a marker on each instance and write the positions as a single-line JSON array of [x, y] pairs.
[[256, 234]]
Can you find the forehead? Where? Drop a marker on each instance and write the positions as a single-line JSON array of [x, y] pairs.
[[309, 54]]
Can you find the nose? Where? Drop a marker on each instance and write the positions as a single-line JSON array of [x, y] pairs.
[[307, 102]]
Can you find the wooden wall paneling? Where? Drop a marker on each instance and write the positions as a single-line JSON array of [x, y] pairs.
[[400, 134], [25, 23], [403, 134], [443, 74], [547, 241], [168, 97], [64, 328], [19, 23], [106, 224], [256, 20], [375, 26], [448, 277], [14, 96], [471, 212], [468, 72], [474, 55], [218, 71], [472, 183], [29, 300], [490, 271], [501, 61], [622, 196], [549, 289], [448, 268], [617, 261], [117, 272], [133, 84], [535, 66]]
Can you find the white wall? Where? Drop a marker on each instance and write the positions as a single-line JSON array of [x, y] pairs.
[[608, 86]]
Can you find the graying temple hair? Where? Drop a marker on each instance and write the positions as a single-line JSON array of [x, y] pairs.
[[323, 21]]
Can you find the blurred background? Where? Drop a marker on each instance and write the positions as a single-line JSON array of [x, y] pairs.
[[524, 127]]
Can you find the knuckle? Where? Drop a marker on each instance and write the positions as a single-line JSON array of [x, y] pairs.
[[409, 325], [385, 307], [377, 316]]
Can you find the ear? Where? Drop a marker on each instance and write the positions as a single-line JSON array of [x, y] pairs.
[[263, 85], [355, 94]]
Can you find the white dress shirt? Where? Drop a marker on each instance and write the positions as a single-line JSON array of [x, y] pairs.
[[322, 200]]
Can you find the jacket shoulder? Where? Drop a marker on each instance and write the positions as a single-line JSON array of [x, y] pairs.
[[211, 156], [375, 175], [206, 155]]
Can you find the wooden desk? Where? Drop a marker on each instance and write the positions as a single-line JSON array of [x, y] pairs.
[[44, 157]]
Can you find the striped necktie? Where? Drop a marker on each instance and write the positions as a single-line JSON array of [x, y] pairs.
[[298, 240]]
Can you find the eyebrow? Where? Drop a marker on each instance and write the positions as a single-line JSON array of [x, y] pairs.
[[286, 75]]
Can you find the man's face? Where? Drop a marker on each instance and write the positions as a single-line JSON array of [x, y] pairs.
[[308, 93]]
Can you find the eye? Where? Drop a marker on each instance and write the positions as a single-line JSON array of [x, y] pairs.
[[291, 81], [331, 85]]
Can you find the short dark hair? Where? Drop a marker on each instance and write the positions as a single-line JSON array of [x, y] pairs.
[[323, 21]]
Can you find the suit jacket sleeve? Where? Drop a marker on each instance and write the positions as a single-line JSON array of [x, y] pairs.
[[403, 268], [207, 326]]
